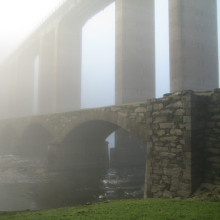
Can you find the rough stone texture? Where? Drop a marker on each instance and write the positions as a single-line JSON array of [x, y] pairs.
[[168, 157], [181, 132], [212, 139]]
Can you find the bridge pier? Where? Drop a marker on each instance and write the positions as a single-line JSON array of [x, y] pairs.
[[47, 76], [68, 72], [4, 90], [13, 84], [25, 83], [135, 53], [193, 45]]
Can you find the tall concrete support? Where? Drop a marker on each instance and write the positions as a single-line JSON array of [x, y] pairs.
[[25, 84], [13, 84], [4, 92], [47, 76], [135, 52], [193, 44], [68, 73]]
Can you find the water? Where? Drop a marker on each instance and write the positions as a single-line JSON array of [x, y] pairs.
[[25, 184]]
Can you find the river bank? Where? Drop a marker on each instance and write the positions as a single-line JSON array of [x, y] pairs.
[[153, 209]]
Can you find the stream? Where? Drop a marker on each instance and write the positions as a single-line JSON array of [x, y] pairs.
[[26, 184]]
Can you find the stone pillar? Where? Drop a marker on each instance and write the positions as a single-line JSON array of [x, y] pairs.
[[193, 45], [68, 78], [46, 80], [135, 52]]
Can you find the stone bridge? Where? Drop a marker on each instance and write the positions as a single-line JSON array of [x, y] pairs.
[[180, 131]]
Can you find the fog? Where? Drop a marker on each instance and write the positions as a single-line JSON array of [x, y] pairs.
[[98, 61], [24, 170]]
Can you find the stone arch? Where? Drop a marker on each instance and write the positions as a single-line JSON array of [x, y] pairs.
[[115, 118], [8, 138], [82, 140], [34, 141]]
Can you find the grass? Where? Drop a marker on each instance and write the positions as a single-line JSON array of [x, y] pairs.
[[153, 209]]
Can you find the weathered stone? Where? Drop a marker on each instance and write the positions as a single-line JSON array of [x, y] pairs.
[[160, 119], [161, 132], [167, 125], [177, 104], [167, 194], [161, 148], [180, 112], [175, 172], [176, 132], [167, 155], [140, 110], [157, 106], [169, 139]]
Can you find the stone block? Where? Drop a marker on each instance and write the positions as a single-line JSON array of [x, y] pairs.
[[177, 132], [169, 139], [140, 110], [167, 125], [167, 194], [174, 172], [177, 104], [161, 132], [160, 119], [157, 106], [180, 112]]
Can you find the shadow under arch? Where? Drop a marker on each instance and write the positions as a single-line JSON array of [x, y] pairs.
[[108, 117], [8, 139], [34, 141], [85, 146]]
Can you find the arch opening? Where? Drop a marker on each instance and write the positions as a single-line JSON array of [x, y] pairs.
[[85, 149]]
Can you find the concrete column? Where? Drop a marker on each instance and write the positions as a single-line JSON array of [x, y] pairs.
[[68, 75], [25, 83], [4, 91], [47, 76], [13, 76], [135, 50], [193, 45]]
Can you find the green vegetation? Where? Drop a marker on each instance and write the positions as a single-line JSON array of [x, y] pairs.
[[157, 209]]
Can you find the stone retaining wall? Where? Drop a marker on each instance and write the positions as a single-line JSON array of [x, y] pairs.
[[212, 139]]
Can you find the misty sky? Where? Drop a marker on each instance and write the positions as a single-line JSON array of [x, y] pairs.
[[18, 18]]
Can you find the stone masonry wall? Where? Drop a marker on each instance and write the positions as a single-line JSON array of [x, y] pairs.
[[212, 140], [184, 148], [181, 132], [168, 149]]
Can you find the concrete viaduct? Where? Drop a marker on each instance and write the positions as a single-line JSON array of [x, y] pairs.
[[56, 44]]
